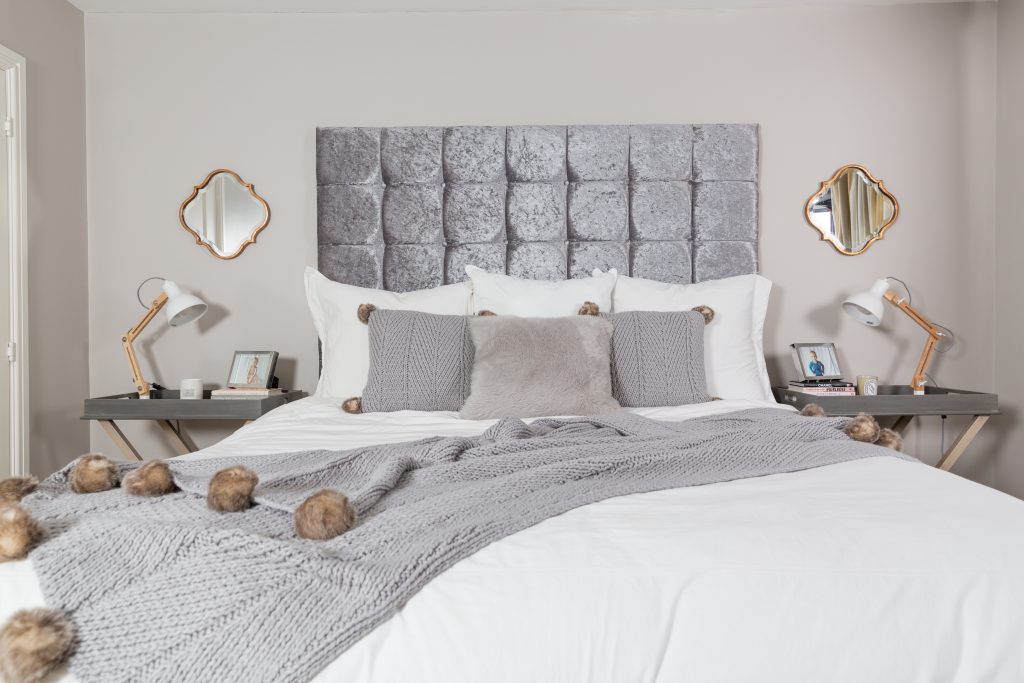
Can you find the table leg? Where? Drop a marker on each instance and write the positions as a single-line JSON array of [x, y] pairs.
[[180, 441], [950, 457], [118, 437], [901, 423]]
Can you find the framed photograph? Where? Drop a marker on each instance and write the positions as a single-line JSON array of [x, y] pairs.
[[816, 361], [252, 369]]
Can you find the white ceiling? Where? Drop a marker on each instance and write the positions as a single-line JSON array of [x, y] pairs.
[[343, 6]]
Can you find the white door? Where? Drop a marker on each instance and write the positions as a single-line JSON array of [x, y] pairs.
[[13, 237], [5, 283]]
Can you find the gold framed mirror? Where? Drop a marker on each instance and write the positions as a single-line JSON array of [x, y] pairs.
[[852, 210], [224, 214]]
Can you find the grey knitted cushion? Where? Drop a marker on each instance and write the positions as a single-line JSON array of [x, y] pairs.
[[526, 367], [658, 358], [418, 361]]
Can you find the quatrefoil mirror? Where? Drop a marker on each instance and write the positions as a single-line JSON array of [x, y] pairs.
[[852, 210], [224, 214]]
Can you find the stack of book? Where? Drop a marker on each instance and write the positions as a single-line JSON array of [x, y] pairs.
[[829, 388], [258, 392]]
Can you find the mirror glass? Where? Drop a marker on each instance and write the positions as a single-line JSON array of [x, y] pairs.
[[224, 214], [852, 209]]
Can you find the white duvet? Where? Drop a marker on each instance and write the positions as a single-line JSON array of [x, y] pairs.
[[875, 570]]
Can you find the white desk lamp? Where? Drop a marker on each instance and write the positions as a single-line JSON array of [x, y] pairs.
[[182, 309], [869, 307]]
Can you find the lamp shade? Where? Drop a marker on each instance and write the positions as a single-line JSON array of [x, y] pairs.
[[868, 307], [182, 308]]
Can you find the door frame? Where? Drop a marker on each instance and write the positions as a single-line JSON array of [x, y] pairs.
[[12, 77]]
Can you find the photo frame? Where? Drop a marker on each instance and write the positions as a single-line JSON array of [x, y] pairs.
[[816, 361], [252, 370]]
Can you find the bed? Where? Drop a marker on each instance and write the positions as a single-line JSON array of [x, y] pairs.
[[878, 569], [875, 569]]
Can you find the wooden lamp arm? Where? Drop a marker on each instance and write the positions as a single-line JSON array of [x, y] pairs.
[[934, 335], [141, 385]]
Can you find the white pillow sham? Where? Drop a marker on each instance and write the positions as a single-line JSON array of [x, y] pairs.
[[507, 295], [734, 341], [345, 342]]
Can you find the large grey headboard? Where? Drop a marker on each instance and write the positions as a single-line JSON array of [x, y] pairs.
[[408, 208]]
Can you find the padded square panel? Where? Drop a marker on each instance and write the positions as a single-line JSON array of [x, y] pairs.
[[598, 211], [662, 261], [347, 156], [536, 211], [725, 152], [585, 256], [660, 152], [714, 260], [536, 153], [490, 257], [413, 266], [349, 214], [725, 211], [412, 214], [474, 213], [474, 154], [537, 260], [598, 152], [411, 155], [660, 210], [359, 264]]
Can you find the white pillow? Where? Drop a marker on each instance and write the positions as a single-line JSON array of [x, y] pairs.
[[734, 341], [507, 295], [345, 341]]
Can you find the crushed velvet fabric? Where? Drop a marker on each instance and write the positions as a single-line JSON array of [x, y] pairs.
[[407, 208]]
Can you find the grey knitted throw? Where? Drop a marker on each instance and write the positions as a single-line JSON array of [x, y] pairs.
[[163, 589]]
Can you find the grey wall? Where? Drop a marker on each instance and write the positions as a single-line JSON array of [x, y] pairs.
[[907, 90], [50, 34], [1007, 360]]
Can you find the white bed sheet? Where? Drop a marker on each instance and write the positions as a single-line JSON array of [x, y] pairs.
[[875, 570]]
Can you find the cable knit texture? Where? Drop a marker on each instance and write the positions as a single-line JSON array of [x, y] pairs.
[[658, 358], [418, 361], [164, 589]]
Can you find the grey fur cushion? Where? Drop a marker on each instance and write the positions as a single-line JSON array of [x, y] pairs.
[[658, 358], [418, 361], [527, 367]]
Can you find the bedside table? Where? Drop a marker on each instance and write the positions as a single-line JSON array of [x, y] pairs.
[[899, 401], [165, 408]]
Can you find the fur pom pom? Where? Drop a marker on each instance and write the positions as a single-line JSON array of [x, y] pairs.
[[152, 479], [19, 533], [589, 308], [33, 643], [813, 410], [486, 313], [364, 311], [231, 489], [890, 438], [706, 311], [862, 428], [14, 489], [353, 405], [324, 515], [93, 473]]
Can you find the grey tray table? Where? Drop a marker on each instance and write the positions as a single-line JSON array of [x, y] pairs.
[[166, 408], [899, 401]]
